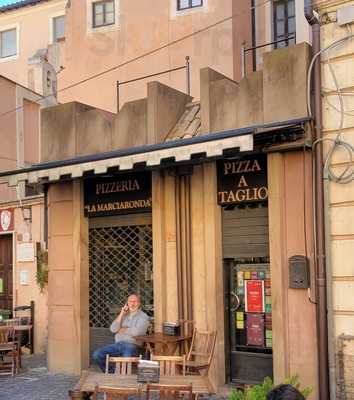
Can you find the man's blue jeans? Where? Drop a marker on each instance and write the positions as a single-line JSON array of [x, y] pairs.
[[119, 349]]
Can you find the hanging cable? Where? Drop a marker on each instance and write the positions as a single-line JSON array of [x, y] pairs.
[[348, 174]]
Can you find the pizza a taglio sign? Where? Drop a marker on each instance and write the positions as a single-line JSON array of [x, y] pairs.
[[121, 194], [242, 180]]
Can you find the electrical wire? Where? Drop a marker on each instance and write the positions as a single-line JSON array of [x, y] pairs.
[[337, 144], [149, 53]]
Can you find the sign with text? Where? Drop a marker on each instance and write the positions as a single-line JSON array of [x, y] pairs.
[[242, 181], [254, 296], [121, 194]]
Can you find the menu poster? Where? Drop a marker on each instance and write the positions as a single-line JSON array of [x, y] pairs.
[[255, 330], [254, 296]]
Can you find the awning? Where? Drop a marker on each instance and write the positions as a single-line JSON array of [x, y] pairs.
[[202, 148]]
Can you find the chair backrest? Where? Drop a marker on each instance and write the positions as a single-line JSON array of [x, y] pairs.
[[6, 333], [169, 392], [187, 326], [116, 393], [12, 322], [123, 365], [169, 364], [202, 346]]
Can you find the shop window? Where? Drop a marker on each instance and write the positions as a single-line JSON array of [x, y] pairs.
[[103, 13], [8, 43], [284, 23], [187, 4], [58, 28]]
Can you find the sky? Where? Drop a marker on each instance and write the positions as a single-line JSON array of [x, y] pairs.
[[6, 2]]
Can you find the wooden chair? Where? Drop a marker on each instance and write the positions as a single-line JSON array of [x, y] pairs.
[[201, 351], [187, 329], [169, 392], [123, 365], [112, 393], [170, 365], [8, 349]]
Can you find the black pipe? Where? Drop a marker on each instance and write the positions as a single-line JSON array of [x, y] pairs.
[[321, 286], [254, 40]]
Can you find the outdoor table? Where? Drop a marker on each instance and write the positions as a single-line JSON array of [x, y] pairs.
[[89, 380], [163, 344]]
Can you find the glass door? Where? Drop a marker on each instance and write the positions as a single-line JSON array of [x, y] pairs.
[[250, 322]]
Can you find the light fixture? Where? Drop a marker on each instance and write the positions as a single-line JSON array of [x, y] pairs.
[[27, 213]]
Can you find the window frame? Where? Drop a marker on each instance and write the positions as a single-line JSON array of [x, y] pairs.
[[286, 34], [54, 38], [103, 2], [12, 56], [190, 5]]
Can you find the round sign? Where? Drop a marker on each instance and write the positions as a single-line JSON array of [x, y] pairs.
[[5, 219]]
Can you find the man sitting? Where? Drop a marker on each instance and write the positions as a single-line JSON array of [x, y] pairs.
[[131, 321]]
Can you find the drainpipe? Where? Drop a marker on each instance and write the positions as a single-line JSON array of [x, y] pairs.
[[321, 304]]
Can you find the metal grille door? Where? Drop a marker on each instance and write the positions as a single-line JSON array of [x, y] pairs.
[[120, 259]]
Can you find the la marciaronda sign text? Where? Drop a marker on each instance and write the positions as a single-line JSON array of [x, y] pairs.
[[121, 194]]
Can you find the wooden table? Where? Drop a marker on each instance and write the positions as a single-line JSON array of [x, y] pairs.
[[163, 344], [89, 380]]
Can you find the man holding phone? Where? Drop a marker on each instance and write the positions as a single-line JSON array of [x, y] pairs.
[[131, 321]]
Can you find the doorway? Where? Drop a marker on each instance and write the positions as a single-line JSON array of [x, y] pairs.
[[120, 263], [248, 312], [6, 273]]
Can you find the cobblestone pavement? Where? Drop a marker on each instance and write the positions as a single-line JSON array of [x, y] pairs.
[[36, 383]]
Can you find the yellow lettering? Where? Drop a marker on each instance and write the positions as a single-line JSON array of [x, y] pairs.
[[240, 195], [263, 193], [242, 182], [227, 168], [222, 197], [255, 166], [230, 197]]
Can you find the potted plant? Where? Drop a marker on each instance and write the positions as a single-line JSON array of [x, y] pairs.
[[259, 392]]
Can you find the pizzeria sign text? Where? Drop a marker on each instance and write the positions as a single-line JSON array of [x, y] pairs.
[[242, 181]]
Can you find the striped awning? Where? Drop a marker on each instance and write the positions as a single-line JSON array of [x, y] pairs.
[[209, 146]]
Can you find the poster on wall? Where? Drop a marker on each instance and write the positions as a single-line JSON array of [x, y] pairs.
[[255, 330], [254, 296], [7, 220]]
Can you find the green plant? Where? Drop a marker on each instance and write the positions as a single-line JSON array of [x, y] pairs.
[[42, 269], [259, 392]]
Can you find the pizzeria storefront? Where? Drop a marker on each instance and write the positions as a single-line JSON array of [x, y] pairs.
[[214, 227], [192, 239]]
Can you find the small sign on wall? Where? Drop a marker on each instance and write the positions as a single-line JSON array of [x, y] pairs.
[[7, 220], [25, 252], [24, 277]]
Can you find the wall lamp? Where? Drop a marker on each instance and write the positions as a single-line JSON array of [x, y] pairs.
[[27, 213]]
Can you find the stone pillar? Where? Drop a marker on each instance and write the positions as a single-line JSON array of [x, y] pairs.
[[207, 268], [290, 233], [68, 279], [164, 248]]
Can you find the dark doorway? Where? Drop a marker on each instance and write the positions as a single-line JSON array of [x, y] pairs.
[[6, 273], [247, 294]]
